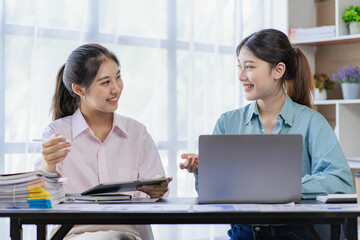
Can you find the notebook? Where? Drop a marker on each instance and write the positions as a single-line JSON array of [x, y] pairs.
[[338, 198], [264, 168]]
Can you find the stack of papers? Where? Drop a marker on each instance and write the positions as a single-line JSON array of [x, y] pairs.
[[35, 189], [310, 33]]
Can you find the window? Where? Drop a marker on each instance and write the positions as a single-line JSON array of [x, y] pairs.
[[177, 61], [172, 54]]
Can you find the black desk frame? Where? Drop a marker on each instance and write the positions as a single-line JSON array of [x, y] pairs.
[[69, 219]]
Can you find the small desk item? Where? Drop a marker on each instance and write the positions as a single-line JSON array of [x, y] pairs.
[[263, 168], [97, 197], [338, 198], [123, 186]]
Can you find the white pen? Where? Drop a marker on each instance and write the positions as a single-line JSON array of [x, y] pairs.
[[43, 140], [39, 140]]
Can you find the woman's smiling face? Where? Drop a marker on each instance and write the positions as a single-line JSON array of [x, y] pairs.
[[256, 76], [104, 92]]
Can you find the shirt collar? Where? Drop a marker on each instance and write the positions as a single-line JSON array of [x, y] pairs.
[[79, 124], [253, 110], [287, 111], [119, 125]]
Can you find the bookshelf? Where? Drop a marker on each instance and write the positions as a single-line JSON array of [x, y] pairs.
[[328, 55], [343, 116]]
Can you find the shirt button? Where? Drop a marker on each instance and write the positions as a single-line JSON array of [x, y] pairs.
[[257, 229], [101, 171], [262, 130]]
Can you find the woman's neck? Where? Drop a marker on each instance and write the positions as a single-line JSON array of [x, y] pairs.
[[272, 105], [99, 122]]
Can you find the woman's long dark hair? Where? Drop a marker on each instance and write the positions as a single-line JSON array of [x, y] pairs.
[[274, 47], [80, 68]]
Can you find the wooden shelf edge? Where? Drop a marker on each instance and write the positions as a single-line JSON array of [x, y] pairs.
[[335, 101], [329, 40]]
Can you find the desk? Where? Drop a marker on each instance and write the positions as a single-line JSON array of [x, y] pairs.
[[182, 211]]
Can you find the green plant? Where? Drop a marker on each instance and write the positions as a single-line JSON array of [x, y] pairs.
[[352, 14], [322, 82]]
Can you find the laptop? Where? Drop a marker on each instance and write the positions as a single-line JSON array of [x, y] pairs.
[[264, 168]]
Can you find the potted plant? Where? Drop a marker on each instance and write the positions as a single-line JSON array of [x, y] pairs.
[[322, 84], [349, 79], [352, 17]]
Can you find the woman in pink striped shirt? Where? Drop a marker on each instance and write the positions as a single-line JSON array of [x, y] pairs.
[[89, 143]]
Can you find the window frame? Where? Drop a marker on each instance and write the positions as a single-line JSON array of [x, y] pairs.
[[170, 44]]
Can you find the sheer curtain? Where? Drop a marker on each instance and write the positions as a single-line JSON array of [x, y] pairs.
[[177, 61]]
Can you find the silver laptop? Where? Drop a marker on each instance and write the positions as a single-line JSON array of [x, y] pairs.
[[265, 168]]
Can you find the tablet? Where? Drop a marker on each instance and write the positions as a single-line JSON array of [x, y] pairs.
[[123, 186]]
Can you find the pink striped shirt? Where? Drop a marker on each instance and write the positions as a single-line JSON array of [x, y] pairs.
[[128, 153]]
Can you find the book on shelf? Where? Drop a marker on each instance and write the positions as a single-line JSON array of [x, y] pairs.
[[36, 189], [297, 34]]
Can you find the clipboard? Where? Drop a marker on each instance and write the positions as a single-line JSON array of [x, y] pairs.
[[123, 186]]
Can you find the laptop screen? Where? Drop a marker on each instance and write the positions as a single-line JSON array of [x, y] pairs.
[[264, 168]]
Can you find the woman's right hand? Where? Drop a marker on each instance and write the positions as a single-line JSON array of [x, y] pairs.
[[191, 162], [54, 151]]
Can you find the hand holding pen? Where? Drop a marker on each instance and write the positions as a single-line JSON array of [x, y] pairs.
[[54, 150]]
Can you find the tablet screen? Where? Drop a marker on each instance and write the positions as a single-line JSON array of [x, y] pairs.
[[122, 186]]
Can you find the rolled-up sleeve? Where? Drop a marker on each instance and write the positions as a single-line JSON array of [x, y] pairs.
[[149, 159], [330, 172]]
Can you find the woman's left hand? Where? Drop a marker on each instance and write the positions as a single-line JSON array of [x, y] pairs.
[[155, 191]]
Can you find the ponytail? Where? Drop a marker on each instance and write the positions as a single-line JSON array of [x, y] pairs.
[[64, 103], [301, 85]]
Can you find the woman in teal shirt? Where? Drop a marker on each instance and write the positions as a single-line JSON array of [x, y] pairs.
[[277, 77]]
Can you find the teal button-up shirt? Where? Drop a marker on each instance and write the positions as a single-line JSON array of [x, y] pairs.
[[324, 167]]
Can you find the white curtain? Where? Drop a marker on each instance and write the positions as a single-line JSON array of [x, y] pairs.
[[177, 61]]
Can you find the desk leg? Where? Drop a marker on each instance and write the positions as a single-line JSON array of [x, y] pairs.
[[335, 231], [15, 229], [351, 228], [41, 231], [63, 230]]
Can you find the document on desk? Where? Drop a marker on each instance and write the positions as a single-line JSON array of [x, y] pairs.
[[143, 207], [289, 207], [240, 207]]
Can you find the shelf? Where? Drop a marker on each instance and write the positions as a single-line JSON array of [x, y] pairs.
[[327, 54], [330, 40], [335, 101], [354, 162]]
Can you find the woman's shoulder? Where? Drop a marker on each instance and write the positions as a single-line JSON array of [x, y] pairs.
[[63, 126], [305, 111], [236, 113], [129, 123], [61, 123]]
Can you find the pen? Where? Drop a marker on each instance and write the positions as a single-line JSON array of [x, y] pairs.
[[39, 140], [43, 140]]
